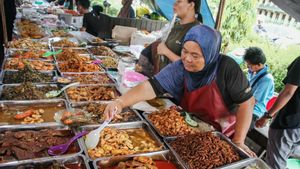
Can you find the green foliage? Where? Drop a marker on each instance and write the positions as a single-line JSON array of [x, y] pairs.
[[238, 18], [113, 10]]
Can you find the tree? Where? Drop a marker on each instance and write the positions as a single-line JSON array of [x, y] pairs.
[[238, 19]]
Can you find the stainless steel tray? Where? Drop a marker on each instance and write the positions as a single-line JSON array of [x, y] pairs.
[[42, 163], [113, 161], [137, 118], [255, 162], [112, 82], [143, 125], [21, 105], [57, 39], [6, 60], [4, 73], [23, 128], [37, 85], [117, 93], [200, 124], [104, 66], [101, 70], [101, 56], [242, 154], [12, 51]]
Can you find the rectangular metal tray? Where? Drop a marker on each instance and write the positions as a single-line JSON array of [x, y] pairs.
[[242, 154], [138, 117], [53, 73], [78, 48], [105, 67], [76, 159], [113, 161], [143, 125], [6, 60], [37, 85], [101, 56], [112, 82], [12, 51], [56, 127], [29, 104], [257, 162], [200, 123], [101, 70], [117, 93], [57, 39]]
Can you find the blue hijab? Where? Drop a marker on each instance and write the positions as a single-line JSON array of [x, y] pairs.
[[209, 41]]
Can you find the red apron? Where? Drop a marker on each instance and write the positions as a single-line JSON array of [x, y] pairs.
[[207, 103]]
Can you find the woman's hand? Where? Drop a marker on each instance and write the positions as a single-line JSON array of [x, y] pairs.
[[246, 149], [262, 122], [110, 109], [162, 49]]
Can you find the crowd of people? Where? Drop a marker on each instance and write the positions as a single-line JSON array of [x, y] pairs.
[[205, 82]]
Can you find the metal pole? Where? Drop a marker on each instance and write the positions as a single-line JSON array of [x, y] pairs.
[[3, 18], [220, 14]]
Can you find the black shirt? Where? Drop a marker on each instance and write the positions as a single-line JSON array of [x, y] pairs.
[[92, 23], [289, 116], [232, 83]]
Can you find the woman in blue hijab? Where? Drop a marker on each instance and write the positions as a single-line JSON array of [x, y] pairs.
[[210, 85]]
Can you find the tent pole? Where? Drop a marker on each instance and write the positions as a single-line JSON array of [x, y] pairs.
[[3, 23], [220, 14]]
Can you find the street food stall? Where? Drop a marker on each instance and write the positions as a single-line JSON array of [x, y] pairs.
[[43, 126]]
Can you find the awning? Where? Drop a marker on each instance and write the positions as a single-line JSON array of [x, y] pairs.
[[291, 7], [165, 8]]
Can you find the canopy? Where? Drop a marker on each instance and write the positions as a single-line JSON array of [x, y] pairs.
[[291, 7], [165, 8]]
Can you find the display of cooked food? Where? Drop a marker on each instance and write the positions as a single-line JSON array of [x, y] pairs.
[[89, 78], [37, 54], [138, 162], [169, 122], [81, 51], [97, 112], [28, 113], [26, 75], [29, 29], [102, 51], [30, 144], [97, 40], [75, 118], [91, 93], [204, 150], [64, 43], [114, 142], [27, 43], [109, 62], [19, 64], [76, 65], [54, 165], [26, 91], [157, 102], [61, 33], [68, 54]]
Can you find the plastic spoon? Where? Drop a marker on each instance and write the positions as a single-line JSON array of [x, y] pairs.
[[62, 148], [55, 93], [47, 54], [189, 120], [93, 137]]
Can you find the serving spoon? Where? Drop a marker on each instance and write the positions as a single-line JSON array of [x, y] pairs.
[[55, 93]]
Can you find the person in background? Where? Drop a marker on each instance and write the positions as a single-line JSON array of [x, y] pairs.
[[83, 6], [10, 16], [261, 81], [186, 10], [210, 85], [284, 131], [126, 11], [91, 22]]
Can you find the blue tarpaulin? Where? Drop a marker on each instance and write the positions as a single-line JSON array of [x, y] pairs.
[[165, 8]]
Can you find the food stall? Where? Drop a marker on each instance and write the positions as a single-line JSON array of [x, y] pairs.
[[43, 59]]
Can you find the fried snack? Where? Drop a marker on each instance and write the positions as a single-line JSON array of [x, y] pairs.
[[32, 116], [97, 40], [27, 43], [138, 162], [91, 93], [169, 122], [76, 65], [37, 54], [204, 150], [68, 54], [110, 63], [114, 142], [26, 75], [29, 29], [61, 33], [64, 43], [19, 64], [89, 78], [102, 51], [26, 91]]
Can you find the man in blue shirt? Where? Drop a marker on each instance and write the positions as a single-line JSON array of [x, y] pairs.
[[262, 82]]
